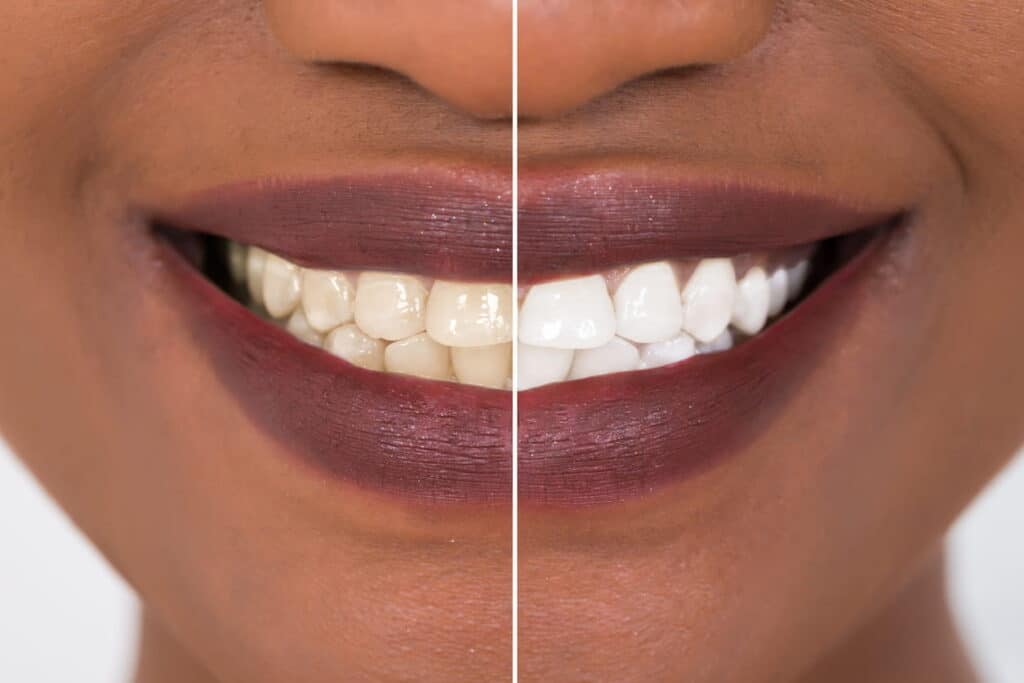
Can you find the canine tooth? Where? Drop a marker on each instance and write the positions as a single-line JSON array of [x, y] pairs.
[[750, 311], [647, 304], [778, 288], [299, 327], [485, 366], [568, 314], [673, 350], [237, 261], [328, 299], [797, 276], [722, 342], [418, 355], [708, 298], [389, 305], [282, 286], [462, 314], [352, 344], [255, 260], [538, 365], [618, 355]]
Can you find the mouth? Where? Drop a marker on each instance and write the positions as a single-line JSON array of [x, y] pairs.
[[367, 324]]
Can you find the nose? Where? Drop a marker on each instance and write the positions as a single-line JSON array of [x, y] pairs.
[[571, 51], [461, 50]]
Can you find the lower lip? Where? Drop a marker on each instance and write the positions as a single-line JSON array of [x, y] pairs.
[[613, 438], [595, 441]]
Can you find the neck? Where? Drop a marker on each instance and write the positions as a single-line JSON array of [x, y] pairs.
[[912, 640], [163, 660]]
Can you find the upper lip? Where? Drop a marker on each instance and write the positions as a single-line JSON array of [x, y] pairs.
[[577, 223], [453, 225]]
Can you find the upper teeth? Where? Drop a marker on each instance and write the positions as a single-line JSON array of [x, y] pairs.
[[651, 315]]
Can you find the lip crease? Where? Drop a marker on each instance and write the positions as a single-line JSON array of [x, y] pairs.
[[593, 441]]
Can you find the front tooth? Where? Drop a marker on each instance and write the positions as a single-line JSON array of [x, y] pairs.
[[778, 288], [708, 298], [722, 342], [647, 304], [797, 276], [255, 261], [485, 366], [420, 356], [237, 262], [299, 327], [328, 299], [461, 314], [618, 355], [350, 343], [568, 314], [674, 350], [753, 296], [390, 306], [539, 365], [282, 286]]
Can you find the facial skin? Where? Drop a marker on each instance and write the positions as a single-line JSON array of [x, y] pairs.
[[794, 559]]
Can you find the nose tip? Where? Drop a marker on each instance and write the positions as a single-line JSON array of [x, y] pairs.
[[460, 50], [571, 52]]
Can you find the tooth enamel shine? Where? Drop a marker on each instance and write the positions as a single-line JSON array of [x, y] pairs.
[[568, 314]]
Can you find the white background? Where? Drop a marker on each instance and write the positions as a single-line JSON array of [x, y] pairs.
[[65, 617]]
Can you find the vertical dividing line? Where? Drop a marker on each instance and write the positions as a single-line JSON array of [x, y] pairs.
[[515, 341]]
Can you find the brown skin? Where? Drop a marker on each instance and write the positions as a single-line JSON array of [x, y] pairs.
[[811, 554]]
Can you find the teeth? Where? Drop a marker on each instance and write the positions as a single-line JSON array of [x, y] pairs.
[[254, 263], [618, 355], [282, 287], [352, 344], [568, 329], [753, 296], [328, 299], [568, 314], [485, 366], [647, 307], [778, 291], [462, 314], [390, 306], [538, 365], [708, 299], [673, 350], [299, 326], [420, 356]]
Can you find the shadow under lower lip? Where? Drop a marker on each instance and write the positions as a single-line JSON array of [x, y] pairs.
[[615, 437]]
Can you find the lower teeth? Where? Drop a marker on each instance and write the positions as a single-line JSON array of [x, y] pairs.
[[645, 316]]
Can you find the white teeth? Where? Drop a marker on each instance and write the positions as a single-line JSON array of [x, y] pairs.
[[568, 314], [282, 287], [753, 296], [618, 355], [722, 342], [255, 260], [673, 350], [778, 291], [485, 366], [462, 314], [647, 306], [351, 344], [390, 306], [538, 365], [299, 327], [328, 299], [237, 262], [797, 277], [420, 356], [708, 298]]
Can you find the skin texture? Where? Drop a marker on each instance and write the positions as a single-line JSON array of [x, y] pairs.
[[813, 555]]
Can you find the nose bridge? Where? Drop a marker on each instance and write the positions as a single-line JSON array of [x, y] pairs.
[[461, 50], [571, 51]]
